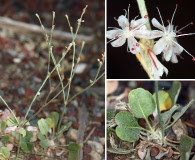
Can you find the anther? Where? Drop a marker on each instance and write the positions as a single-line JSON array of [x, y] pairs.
[[146, 16]]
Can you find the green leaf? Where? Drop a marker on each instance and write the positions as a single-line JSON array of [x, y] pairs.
[[3, 125], [25, 143], [50, 122], [5, 153], [110, 114], [177, 115], [64, 128], [119, 151], [44, 144], [12, 122], [55, 118], [43, 126], [185, 147], [174, 91], [128, 129], [141, 103], [166, 115], [74, 150], [5, 139], [41, 136], [22, 131]]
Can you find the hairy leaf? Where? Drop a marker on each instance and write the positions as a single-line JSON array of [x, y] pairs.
[[128, 129], [141, 103]]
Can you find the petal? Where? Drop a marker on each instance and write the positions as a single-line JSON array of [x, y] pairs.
[[174, 58], [168, 53], [147, 34], [169, 28], [114, 33], [177, 48], [119, 42], [133, 45], [139, 22], [157, 67], [123, 22], [157, 24], [160, 45]]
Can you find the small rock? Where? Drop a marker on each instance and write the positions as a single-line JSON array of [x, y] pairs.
[[21, 91], [154, 151], [81, 68], [98, 147], [102, 140], [95, 155], [11, 52], [73, 134]]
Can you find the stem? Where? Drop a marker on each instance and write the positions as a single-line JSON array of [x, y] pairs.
[[158, 109], [143, 11]]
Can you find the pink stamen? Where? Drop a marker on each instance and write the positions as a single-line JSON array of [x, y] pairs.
[[137, 44], [192, 23], [130, 28], [168, 20], [179, 32], [146, 16], [193, 58], [177, 5], [132, 49]]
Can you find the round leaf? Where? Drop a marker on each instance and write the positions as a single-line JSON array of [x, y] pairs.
[[128, 129], [141, 103]]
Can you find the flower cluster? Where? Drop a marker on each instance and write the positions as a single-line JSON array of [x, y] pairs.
[[167, 43]]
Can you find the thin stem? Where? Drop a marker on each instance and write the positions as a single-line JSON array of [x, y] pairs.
[[143, 11], [158, 110], [9, 109]]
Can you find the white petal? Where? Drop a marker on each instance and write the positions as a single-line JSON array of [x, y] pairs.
[[133, 45], [160, 45], [168, 53], [139, 22], [119, 42], [157, 67], [174, 58], [114, 33], [169, 28], [157, 24], [147, 34], [176, 48], [123, 21]]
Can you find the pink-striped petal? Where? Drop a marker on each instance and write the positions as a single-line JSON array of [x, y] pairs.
[[157, 68], [133, 45], [160, 45], [147, 34], [123, 22], [119, 42], [114, 33], [157, 24]]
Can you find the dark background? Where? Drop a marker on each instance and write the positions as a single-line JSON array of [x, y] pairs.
[[124, 65]]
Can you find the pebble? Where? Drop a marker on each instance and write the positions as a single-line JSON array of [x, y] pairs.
[[96, 146], [73, 134]]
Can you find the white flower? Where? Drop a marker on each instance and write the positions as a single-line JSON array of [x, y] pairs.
[[168, 43], [129, 31]]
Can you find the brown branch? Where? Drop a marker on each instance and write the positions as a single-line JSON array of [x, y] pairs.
[[22, 27]]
